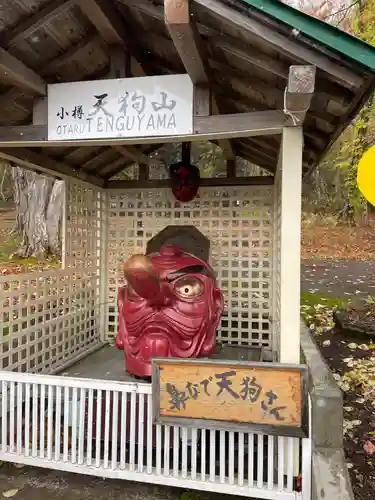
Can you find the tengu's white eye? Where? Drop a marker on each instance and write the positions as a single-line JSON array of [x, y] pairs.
[[188, 288]]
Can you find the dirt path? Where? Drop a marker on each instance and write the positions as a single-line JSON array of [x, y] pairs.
[[43, 484]]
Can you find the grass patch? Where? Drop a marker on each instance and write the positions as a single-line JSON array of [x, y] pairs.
[[8, 245], [317, 310], [312, 300]]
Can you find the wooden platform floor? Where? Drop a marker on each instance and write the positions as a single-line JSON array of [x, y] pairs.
[[108, 363]]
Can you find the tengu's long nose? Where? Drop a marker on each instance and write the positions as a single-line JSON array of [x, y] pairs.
[[145, 280]]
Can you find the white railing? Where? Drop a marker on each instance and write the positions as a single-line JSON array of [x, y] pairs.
[[105, 428]]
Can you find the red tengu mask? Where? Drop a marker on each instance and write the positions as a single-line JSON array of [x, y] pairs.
[[185, 181], [170, 307]]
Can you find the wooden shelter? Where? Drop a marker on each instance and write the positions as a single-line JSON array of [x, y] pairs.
[[265, 83]]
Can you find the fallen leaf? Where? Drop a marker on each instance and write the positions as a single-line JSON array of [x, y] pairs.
[[352, 345], [10, 493], [326, 343], [364, 347], [369, 447]]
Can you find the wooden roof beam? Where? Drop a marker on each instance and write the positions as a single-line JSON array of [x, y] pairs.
[[298, 94], [129, 156], [15, 71], [213, 128], [187, 41], [107, 20], [237, 49], [47, 165], [114, 168], [264, 180], [51, 67], [286, 45], [18, 74], [33, 23], [141, 158], [100, 158], [135, 154]]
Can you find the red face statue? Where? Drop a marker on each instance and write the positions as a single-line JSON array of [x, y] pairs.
[[170, 306]]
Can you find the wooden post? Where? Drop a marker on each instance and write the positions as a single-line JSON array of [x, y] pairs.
[[299, 94], [288, 188], [290, 163], [231, 169], [143, 172], [186, 152], [120, 64], [102, 253], [190, 47]]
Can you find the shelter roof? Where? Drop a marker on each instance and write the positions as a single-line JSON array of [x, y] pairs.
[[249, 46]]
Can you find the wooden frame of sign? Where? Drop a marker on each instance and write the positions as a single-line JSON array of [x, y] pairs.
[[266, 398]]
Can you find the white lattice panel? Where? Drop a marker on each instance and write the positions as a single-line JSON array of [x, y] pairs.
[[83, 216], [49, 319], [239, 223]]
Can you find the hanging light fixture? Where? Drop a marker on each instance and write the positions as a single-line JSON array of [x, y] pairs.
[[185, 177]]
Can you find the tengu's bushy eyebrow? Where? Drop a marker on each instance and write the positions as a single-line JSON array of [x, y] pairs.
[[189, 270]]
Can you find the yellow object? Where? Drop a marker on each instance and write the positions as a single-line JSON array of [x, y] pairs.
[[366, 175]]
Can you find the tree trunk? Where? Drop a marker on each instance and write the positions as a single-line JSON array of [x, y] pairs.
[[54, 217], [38, 200]]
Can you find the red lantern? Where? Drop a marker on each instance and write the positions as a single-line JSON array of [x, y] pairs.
[[185, 181], [185, 177]]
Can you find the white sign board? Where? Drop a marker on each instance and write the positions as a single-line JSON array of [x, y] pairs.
[[126, 107]]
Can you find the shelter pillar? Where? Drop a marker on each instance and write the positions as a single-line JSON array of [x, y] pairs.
[[290, 191]]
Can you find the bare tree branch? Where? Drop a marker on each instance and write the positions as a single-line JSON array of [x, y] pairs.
[[5, 169], [343, 10]]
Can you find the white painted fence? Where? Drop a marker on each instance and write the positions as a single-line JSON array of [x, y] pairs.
[[105, 429]]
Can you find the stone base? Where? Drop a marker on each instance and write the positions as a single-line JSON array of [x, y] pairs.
[[344, 322]]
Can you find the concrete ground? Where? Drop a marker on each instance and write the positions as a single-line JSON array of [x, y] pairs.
[[336, 278]]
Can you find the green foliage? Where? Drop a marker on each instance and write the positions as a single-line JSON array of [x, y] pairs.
[[362, 136], [317, 310], [335, 180], [311, 300], [8, 245], [122, 176]]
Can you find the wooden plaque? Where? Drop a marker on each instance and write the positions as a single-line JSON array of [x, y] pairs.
[[231, 395]]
